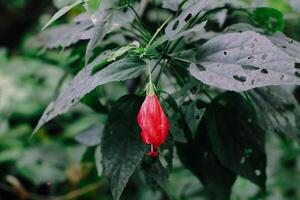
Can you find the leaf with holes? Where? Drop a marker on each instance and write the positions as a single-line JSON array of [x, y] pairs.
[[243, 61], [287, 45], [236, 138], [122, 148], [85, 81], [177, 25], [63, 11]]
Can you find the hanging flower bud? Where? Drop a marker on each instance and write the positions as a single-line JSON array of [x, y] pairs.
[[153, 122]]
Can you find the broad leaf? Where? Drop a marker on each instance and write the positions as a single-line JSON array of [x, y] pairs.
[[236, 138], [122, 147], [199, 158], [84, 82], [286, 44], [90, 136], [63, 11], [155, 173], [243, 61], [276, 108], [177, 25]]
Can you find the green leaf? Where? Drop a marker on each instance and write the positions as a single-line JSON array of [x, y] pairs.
[[268, 18], [122, 147], [91, 136], [199, 158], [84, 82], [243, 61], [236, 138], [178, 24], [277, 109], [155, 173], [62, 11]]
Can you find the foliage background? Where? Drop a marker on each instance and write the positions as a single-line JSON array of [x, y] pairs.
[[57, 163]]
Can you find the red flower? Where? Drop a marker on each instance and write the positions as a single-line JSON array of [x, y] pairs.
[[153, 122]]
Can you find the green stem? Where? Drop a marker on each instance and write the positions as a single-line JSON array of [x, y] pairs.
[[156, 33]]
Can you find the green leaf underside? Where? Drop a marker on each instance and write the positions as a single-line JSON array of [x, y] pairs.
[[236, 137], [122, 147], [84, 82], [63, 11], [243, 61]]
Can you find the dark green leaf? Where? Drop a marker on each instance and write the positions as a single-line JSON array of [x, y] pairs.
[[277, 109], [221, 63], [122, 147], [155, 173], [199, 158], [236, 138]]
